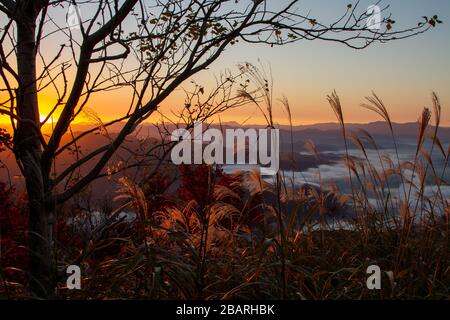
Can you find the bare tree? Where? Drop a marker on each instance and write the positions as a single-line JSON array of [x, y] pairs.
[[147, 47]]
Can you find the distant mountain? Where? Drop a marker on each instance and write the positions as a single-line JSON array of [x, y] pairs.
[[378, 128], [403, 130]]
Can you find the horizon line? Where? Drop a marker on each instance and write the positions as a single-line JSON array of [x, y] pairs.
[[8, 124]]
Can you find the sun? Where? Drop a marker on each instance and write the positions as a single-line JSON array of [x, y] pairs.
[[43, 117]]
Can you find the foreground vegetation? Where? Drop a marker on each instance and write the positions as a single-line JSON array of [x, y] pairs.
[[236, 236]]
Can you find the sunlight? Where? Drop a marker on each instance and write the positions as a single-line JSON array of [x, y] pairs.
[[43, 117]]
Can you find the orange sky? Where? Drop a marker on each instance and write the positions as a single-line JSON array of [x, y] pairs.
[[402, 73]]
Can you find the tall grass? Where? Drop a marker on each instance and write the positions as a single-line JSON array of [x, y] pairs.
[[187, 251], [308, 259]]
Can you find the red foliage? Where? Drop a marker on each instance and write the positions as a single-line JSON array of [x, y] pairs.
[[13, 227], [5, 139], [14, 257], [155, 189], [195, 182]]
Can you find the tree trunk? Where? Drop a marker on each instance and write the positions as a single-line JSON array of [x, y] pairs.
[[40, 229], [29, 153]]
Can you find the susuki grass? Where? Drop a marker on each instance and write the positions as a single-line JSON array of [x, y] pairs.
[[241, 242]]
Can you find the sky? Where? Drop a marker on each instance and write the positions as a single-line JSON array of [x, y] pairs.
[[403, 73]]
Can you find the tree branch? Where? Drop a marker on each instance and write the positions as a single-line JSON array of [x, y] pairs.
[[85, 58], [7, 6]]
